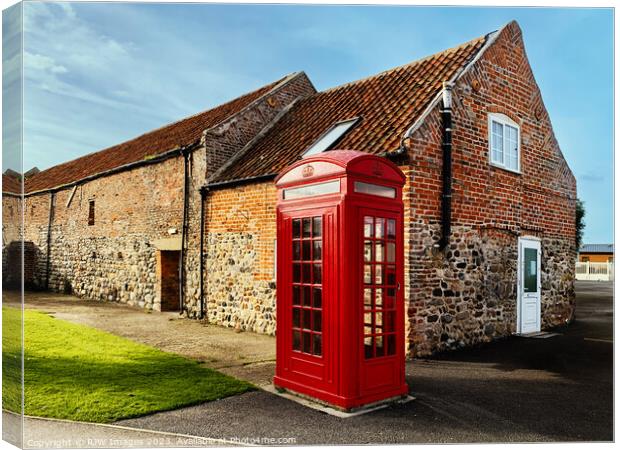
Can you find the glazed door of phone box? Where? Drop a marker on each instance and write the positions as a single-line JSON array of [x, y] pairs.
[[381, 340], [305, 298]]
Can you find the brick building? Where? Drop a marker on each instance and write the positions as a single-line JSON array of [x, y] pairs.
[[116, 225], [596, 253]]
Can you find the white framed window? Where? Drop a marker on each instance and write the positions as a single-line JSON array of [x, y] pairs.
[[330, 137], [504, 142]]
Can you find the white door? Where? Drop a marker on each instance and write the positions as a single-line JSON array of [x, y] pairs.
[[528, 297]]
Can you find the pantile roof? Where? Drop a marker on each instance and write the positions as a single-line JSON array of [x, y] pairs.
[[597, 248], [11, 184], [175, 135], [387, 105]]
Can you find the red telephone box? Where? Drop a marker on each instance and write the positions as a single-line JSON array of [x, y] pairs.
[[340, 311]]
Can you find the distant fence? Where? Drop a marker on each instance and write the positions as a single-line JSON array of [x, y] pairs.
[[594, 271]]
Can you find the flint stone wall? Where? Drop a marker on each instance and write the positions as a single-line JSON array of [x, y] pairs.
[[114, 259], [98, 268], [11, 242], [468, 294], [239, 281], [235, 297]]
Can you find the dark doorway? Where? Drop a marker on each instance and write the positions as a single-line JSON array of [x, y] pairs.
[[12, 268], [169, 279]]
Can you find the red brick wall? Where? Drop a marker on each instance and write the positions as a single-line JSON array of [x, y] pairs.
[[250, 209], [542, 197], [146, 199], [240, 277], [467, 294]]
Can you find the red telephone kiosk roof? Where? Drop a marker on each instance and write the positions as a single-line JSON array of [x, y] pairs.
[[335, 163]]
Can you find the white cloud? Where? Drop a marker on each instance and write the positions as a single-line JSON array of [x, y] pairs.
[[100, 73], [43, 63], [57, 41], [68, 9], [105, 71]]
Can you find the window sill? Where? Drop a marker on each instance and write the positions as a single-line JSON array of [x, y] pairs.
[[498, 166]]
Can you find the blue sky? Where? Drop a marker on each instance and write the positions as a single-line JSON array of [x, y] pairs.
[[100, 73]]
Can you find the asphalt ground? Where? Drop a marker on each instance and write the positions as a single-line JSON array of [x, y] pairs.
[[38, 433], [513, 390]]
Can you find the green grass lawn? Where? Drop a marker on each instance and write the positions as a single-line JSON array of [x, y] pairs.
[[80, 373]]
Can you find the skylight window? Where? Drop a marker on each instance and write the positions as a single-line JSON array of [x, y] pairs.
[[329, 138]]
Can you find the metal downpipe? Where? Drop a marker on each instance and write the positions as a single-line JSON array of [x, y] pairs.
[[185, 154], [203, 194], [50, 219], [446, 145]]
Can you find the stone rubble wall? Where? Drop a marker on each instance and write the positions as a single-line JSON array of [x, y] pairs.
[[557, 281], [240, 257], [11, 218], [97, 268], [11, 232], [235, 298], [114, 259], [463, 297], [468, 295]]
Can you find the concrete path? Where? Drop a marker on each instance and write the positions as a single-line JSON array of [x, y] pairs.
[[514, 390], [247, 356], [51, 433]]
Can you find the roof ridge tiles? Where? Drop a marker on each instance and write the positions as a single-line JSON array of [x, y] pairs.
[[256, 138], [124, 153], [274, 86], [388, 103], [441, 53]]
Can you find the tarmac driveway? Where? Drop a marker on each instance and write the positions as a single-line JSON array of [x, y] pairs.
[[519, 389]]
